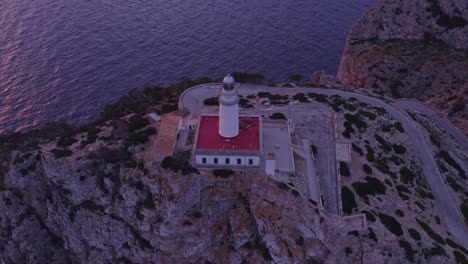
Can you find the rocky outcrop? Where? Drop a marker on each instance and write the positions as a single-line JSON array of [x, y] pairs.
[[416, 49], [84, 210]]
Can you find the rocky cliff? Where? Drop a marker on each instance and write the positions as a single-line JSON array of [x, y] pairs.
[[416, 49], [92, 206]]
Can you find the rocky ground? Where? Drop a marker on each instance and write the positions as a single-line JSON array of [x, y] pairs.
[[414, 49]]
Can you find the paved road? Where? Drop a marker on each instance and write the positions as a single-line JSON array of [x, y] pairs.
[[193, 100], [438, 119]]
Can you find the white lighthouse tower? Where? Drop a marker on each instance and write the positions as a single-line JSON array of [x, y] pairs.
[[228, 109]]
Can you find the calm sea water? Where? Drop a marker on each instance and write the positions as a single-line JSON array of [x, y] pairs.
[[66, 59]]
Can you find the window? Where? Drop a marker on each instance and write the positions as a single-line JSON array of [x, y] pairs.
[[227, 161], [239, 161], [215, 160], [203, 160], [250, 161]]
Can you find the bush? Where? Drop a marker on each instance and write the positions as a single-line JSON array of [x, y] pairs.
[[370, 154], [66, 142], [344, 171], [110, 155], [357, 149], [140, 137], [459, 257], [244, 77], [372, 186], [348, 200], [406, 175], [264, 95], [464, 209], [452, 244], [430, 232], [402, 191], [367, 169], [414, 234], [357, 121], [300, 97], [454, 185], [212, 101], [399, 127], [278, 116], [223, 173], [391, 224], [399, 149], [61, 153], [369, 216], [297, 78], [409, 252], [446, 156], [137, 122]]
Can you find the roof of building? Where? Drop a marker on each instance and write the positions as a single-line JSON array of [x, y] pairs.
[[167, 136], [153, 117], [248, 138]]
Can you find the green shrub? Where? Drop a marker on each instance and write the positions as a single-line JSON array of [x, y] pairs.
[[297, 78], [370, 154], [223, 173], [300, 97], [357, 121], [464, 209], [61, 153], [344, 171], [430, 232], [66, 142], [399, 127], [446, 156], [454, 245], [391, 224], [212, 101], [403, 191], [409, 252], [383, 143], [140, 137], [414, 234], [435, 141], [372, 186], [136, 122], [357, 149], [264, 95], [369, 115], [367, 169], [369, 216], [348, 251], [245, 77], [454, 185], [348, 200], [399, 149], [278, 116], [406, 175], [459, 257]]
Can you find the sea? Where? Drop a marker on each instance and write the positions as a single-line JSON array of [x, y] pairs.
[[64, 60]]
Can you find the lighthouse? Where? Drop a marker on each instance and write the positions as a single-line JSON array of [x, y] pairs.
[[228, 109]]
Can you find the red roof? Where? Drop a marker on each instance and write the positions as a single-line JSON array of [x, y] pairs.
[[248, 138]]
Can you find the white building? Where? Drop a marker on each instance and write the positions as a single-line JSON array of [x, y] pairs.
[[231, 141]]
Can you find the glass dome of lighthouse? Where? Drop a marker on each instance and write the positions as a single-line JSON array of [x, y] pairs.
[[228, 82]]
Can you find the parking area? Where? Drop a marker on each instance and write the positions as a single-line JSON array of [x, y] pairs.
[[276, 139]]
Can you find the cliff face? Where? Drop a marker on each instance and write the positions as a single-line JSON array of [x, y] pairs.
[[416, 49], [82, 209]]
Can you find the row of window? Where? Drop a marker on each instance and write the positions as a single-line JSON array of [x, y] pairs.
[[227, 161]]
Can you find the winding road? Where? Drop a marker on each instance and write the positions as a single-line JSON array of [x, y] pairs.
[[192, 100]]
